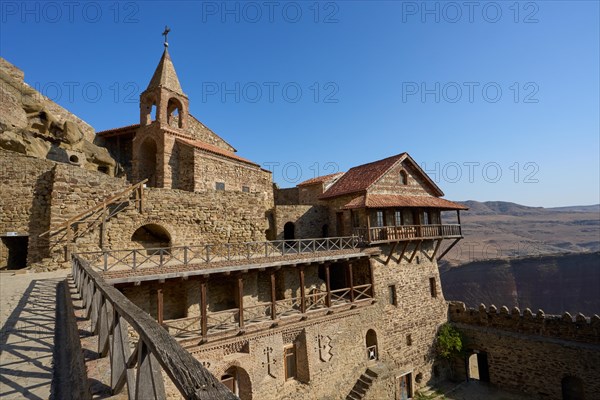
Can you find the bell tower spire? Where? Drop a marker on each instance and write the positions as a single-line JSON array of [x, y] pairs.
[[164, 93]]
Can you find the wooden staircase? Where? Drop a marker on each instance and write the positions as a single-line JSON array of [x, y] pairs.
[[97, 216], [362, 385]]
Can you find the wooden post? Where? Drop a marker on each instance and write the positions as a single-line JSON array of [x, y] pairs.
[[141, 199], [203, 310], [302, 290], [350, 281], [273, 297], [68, 245], [240, 296], [328, 285], [459, 225], [372, 276], [368, 225], [159, 306]]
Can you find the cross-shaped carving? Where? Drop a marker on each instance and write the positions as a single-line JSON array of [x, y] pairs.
[[267, 352]]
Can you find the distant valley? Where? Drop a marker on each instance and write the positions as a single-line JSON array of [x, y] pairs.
[[514, 255]]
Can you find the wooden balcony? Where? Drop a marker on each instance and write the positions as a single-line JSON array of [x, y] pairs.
[[387, 234]]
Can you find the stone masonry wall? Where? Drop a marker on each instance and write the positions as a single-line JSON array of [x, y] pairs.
[[308, 220], [533, 353], [25, 188], [390, 183], [331, 348]]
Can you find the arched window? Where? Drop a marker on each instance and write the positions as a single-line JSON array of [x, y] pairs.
[[147, 162], [371, 342], [174, 111], [403, 177], [237, 380]]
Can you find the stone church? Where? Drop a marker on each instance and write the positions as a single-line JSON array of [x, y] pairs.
[[328, 290]]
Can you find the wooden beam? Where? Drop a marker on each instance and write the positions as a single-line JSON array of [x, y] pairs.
[[203, 310], [418, 245], [372, 276], [302, 290], [448, 249], [391, 252], [437, 247], [403, 251], [273, 296], [351, 282], [327, 286], [159, 306], [240, 296]]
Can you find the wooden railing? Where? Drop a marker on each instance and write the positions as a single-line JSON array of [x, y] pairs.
[[206, 253], [406, 232], [97, 216], [110, 314], [221, 321]]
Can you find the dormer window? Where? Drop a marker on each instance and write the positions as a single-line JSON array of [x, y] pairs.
[[403, 178]]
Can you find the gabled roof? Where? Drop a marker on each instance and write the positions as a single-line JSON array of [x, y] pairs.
[[215, 150], [117, 131], [320, 179], [165, 75], [392, 200], [359, 179]]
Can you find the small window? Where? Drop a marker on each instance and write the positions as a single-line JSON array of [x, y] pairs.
[[432, 287], [245, 189], [398, 217], [379, 218], [220, 186], [403, 178], [409, 340], [392, 295], [289, 359]]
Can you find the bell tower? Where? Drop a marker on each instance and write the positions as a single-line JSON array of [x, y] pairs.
[[164, 110]]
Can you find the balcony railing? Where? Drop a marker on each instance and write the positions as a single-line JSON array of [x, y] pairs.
[[209, 253], [406, 232]]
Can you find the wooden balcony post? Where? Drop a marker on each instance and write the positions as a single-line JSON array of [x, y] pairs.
[[328, 285], [368, 224], [273, 297], [203, 310], [350, 281], [459, 225], [159, 306], [302, 290], [240, 296], [372, 276]]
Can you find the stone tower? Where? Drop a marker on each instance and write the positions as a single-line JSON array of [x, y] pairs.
[[164, 110]]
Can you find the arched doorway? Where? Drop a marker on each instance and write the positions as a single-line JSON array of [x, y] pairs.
[[572, 388], [147, 162], [152, 237], [371, 342], [289, 231], [237, 380]]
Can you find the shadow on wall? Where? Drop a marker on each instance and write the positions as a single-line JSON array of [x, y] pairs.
[[151, 236], [39, 220]]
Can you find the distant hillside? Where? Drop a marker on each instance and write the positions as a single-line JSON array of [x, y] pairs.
[[554, 283], [497, 229]]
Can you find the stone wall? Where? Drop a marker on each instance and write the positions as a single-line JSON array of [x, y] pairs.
[[390, 183], [533, 353], [308, 220], [309, 194], [288, 196], [201, 132], [330, 348], [25, 192]]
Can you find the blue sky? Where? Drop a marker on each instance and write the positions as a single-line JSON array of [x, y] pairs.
[[496, 100]]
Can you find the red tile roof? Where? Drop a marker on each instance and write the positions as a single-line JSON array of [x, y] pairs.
[[122, 129], [358, 179], [215, 150], [320, 179], [392, 200]]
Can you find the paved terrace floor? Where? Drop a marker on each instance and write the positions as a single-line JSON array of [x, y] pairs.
[[27, 320]]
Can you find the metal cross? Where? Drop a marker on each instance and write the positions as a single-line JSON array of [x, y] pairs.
[[165, 34]]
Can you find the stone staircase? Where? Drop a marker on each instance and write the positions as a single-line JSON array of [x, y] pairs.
[[362, 385]]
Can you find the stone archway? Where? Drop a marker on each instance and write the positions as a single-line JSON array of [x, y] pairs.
[[151, 236], [371, 343], [237, 380], [147, 162]]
